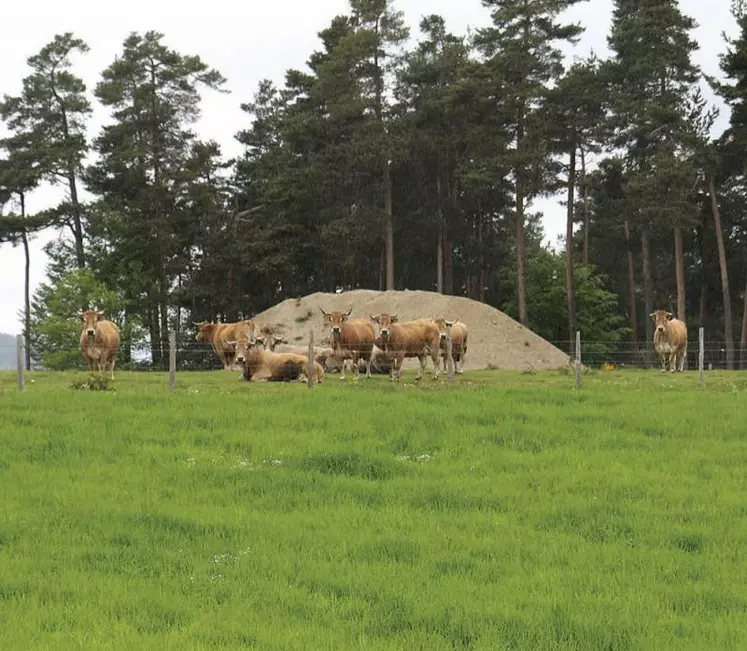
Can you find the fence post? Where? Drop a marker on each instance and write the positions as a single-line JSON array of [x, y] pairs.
[[578, 359], [449, 355], [310, 367], [172, 360], [19, 360], [701, 354]]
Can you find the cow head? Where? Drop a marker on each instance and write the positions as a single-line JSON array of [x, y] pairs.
[[90, 318], [384, 321], [336, 319], [243, 343], [661, 319], [204, 330], [269, 341], [443, 325]]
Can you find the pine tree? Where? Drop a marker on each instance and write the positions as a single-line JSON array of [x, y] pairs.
[[523, 58], [52, 111]]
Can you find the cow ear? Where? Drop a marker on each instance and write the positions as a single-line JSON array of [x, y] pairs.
[[652, 315], [373, 318], [100, 315], [393, 318], [670, 316]]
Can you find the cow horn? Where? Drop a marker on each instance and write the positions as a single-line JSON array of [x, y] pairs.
[[322, 311], [195, 323], [455, 321], [652, 314], [350, 311]]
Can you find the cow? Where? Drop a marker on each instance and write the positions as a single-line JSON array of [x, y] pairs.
[[417, 338], [276, 344], [259, 364], [220, 335], [458, 341], [99, 341], [670, 340], [352, 340]]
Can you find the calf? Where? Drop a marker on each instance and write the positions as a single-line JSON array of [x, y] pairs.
[[352, 340], [458, 341], [417, 338], [670, 340], [99, 341]]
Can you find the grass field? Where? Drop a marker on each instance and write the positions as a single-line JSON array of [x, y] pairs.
[[506, 511]]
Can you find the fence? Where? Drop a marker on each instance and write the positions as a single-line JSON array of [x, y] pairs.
[[189, 355]]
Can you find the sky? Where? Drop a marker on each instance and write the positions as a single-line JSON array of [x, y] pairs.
[[248, 42]]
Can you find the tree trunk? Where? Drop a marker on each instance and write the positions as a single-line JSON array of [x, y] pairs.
[[648, 295], [520, 288], [743, 340], [382, 266], [679, 266], [80, 259], [585, 193], [728, 324], [448, 267], [440, 243], [481, 259], [155, 336], [26, 288], [569, 252], [631, 284], [388, 227]]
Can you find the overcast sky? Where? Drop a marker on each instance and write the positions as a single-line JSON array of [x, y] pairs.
[[247, 42]]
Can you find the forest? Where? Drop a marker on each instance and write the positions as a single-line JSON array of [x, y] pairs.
[[392, 161]]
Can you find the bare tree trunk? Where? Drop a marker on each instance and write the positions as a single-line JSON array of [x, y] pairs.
[[585, 193], [569, 251], [382, 266], [26, 287], [728, 324], [448, 267], [648, 295], [388, 227], [631, 284], [481, 259], [743, 340], [77, 221], [520, 287], [440, 243], [679, 266]]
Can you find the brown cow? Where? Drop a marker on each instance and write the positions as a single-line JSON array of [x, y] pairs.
[[670, 340], [352, 340], [417, 338], [220, 335], [276, 344], [99, 341], [458, 341], [259, 364]]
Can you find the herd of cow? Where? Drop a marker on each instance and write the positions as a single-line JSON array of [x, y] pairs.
[[379, 343], [376, 344]]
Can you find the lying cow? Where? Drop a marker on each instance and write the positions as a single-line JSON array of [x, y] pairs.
[[276, 344], [670, 340], [417, 338], [220, 336], [458, 341], [351, 340], [259, 364], [99, 341]]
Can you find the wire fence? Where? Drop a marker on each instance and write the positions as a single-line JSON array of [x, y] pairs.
[[200, 356]]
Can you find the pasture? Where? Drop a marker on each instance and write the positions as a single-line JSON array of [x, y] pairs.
[[506, 511]]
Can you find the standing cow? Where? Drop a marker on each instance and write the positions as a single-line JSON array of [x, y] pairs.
[[99, 341], [417, 338], [670, 340], [458, 341], [220, 336], [352, 340]]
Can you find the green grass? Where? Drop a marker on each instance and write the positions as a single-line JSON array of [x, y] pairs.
[[506, 511]]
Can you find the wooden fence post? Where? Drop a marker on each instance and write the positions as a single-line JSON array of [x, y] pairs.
[[449, 354], [701, 355], [172, 360], [310, 367], [578, 360], [19, 360]]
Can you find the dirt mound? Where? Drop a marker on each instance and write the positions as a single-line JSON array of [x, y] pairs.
[[495, 340]]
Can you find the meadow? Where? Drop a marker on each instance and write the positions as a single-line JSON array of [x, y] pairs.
[[505, 511]]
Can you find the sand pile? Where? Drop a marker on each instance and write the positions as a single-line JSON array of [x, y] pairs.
[[495, 340]]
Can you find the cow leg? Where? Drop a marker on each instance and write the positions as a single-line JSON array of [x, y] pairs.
[[682, 360], [356, 369], [434, 357], [113, 362], [368, 364], [342, 368]]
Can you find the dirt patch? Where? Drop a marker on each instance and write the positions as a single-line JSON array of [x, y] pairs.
[[495, 339]]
